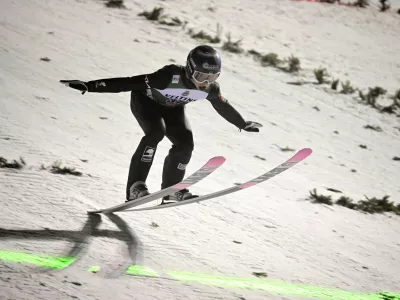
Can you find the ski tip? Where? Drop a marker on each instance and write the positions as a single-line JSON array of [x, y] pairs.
[[302, 154], [215, 162]]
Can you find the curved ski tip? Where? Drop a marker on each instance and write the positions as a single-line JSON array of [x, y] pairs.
[[302, 154], [215, 162]]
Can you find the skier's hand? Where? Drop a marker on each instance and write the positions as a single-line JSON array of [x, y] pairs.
[[76, 84], [252, 126]]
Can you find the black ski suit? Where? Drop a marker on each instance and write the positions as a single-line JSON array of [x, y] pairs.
[[158, 103]]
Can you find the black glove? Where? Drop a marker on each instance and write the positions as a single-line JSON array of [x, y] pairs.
[[76, 84], [252, 126]]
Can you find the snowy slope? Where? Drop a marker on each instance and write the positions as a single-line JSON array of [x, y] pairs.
[[280, 233]]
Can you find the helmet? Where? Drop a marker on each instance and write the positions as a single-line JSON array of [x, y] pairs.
[[203, 64]]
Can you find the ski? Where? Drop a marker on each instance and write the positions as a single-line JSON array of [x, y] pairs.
[[213, 164], [298, 157]]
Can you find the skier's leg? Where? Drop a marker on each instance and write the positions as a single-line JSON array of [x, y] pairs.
[[148, 114], [180, 134]]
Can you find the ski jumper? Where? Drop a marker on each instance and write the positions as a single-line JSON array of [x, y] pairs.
[[158, 103]]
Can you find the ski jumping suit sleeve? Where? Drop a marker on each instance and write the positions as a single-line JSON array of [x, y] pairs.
[[224, 108], [140, 83]]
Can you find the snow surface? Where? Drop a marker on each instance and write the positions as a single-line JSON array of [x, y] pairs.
[[281, 233]]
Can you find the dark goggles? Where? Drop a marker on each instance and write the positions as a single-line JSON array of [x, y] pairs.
[[205, 77]]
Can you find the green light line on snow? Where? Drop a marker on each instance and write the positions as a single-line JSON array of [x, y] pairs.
[[270, 286], [38, 260], [94, 269], [141, 270], [274, 287]]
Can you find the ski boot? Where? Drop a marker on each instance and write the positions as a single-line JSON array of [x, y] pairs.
[[181, 195], [137, 190]]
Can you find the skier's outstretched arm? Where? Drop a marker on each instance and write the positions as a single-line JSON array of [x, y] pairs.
[[229, 113], [159, 80]]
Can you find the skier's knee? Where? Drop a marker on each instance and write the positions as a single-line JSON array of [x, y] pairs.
[[154, 138], [185, 150], [185, 146], [189, 147]]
